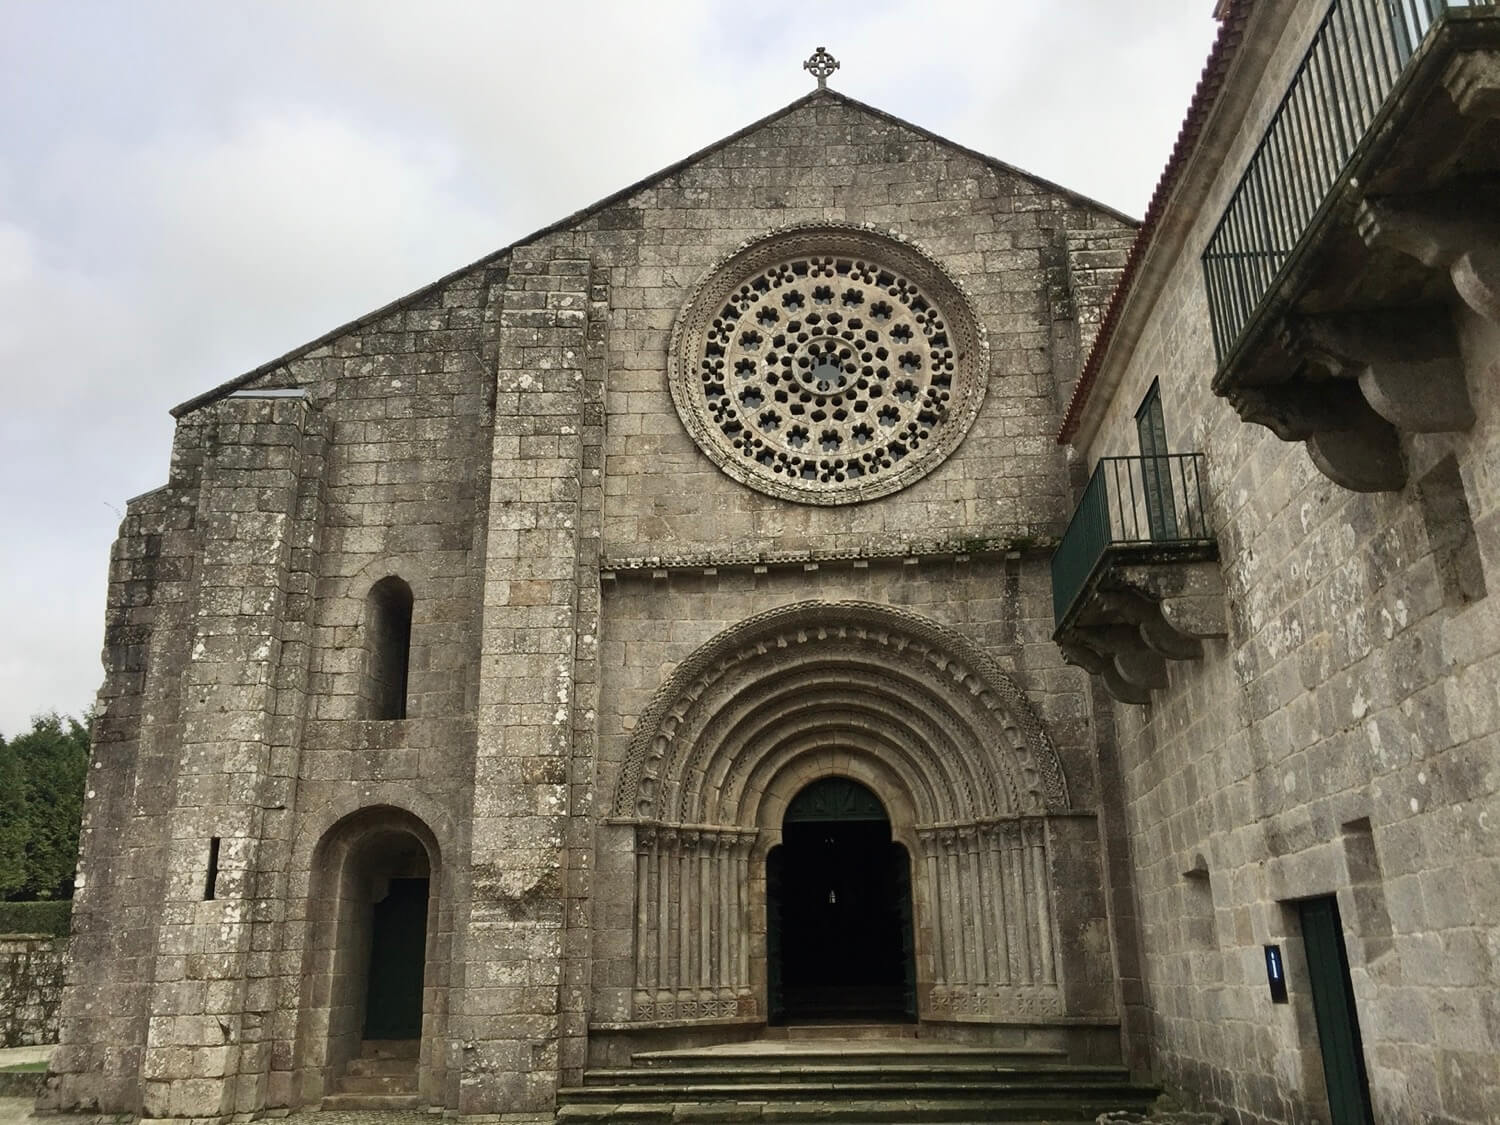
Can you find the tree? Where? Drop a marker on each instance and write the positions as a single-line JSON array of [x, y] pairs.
[[13, 824], [42, 778]]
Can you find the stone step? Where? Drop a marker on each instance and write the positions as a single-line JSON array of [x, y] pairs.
[[390, 1048], [857, 1071], [1114, 1091], [372, 1101], [843, 1031], [376, 1067], [377, 1084], [894, 1111], [780, 1055]]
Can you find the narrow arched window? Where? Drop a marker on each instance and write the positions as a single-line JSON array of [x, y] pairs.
[[387, 648]]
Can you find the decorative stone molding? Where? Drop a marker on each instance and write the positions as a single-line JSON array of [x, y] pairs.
[[828, 364], [1363, 377], [1140, 616], [962, 703], [1406, 362], [1455, 229], [1473, 82], [1348, 442], [1332, 313]]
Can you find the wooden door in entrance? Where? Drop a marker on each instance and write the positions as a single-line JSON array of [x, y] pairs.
[[839, 911]]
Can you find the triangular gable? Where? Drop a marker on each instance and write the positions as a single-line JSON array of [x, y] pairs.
[[816, 96]]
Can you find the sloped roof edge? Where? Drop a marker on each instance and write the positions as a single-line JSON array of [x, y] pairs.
[[1226, 45], [615, 197]]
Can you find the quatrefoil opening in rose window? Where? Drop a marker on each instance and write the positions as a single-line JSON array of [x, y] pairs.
[[828, 364]]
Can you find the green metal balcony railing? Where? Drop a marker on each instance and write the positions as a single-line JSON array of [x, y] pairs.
[[1354, 63], [1138, 505]]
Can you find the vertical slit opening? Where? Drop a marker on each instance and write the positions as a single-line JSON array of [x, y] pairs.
[[211, 880]]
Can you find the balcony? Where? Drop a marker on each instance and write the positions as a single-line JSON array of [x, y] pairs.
[[1136, 580], [1368, 208]]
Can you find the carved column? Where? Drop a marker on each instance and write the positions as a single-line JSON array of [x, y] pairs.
[[973, 905], [645, 938], [687, 856], [993, 895], [1041, 896], [929, 842], [953, 907], [742, 848], [1014, 883], [665, 966]]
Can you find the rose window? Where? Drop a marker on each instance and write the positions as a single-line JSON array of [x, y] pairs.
[[828, 365]]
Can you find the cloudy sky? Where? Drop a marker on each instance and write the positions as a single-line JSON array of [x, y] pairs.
[[188, 189]]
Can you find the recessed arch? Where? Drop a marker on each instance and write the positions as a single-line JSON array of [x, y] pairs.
[[893, 701], [742, 692], [375, 897]]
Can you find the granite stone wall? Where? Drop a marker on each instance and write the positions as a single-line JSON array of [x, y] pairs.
[[1340, 741], [31, 981], [503, 443]]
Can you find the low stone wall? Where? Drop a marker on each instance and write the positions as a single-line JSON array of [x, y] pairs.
[[31, 980]]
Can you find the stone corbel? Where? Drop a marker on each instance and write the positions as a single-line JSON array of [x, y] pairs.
[[1473, 82], [1455, 229], [1189, 600], [1090, 659], [1349, 443], [1406, 362], [1144, 615]]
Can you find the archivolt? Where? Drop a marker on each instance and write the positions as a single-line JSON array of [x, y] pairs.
[[870, 679]]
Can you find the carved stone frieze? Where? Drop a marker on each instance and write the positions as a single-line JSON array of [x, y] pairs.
[[1141, 615]]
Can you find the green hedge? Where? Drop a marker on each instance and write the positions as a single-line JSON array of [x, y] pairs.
[[48, 917]]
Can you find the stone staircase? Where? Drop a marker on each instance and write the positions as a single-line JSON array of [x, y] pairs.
[[851, 1078], [384, 1076]]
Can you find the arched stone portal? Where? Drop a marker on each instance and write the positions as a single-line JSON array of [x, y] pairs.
[[368, 974], [908, 709]]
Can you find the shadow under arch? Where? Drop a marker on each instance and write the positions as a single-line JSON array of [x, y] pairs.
[[373, 950], [838, 908]]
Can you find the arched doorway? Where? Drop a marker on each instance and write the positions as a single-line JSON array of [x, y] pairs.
[[917, 714], [838, 911], [398, 887], [372, 972]]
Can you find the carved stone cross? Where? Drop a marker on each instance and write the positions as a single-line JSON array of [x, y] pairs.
[[821, 65]]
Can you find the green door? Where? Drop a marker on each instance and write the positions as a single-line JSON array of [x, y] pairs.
[[1156, 467], [1333, 1005]]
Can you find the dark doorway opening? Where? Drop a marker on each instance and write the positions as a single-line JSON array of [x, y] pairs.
[[1333, 1006], [838, 901], [398, 947]]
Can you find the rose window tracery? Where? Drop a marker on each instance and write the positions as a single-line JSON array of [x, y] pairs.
[[828, 365]]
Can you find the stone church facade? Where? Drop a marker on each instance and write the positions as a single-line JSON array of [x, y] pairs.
[[541, 668]]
